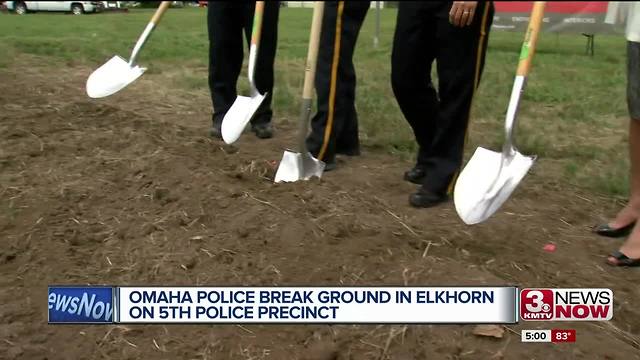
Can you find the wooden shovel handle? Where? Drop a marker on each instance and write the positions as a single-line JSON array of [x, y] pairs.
[[164, 5], [531, 38], [312, 54]]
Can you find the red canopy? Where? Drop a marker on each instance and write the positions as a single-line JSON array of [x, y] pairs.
[[559, 7]]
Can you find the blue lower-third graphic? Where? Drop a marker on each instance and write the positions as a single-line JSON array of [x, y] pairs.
[[80, 304]]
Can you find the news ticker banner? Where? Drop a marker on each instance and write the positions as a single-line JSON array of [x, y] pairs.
[[560, 16], [324, 305]]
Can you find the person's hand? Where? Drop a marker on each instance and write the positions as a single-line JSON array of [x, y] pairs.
[[462, 12]]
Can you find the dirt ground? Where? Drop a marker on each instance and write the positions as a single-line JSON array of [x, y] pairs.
[[129, 190]]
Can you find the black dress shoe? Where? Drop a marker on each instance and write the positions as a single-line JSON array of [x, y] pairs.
[[415, 175], [608, 231], [215, 131], [263, 131], [330, 165], [425, 199]]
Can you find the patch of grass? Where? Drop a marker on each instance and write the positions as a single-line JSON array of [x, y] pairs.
[[573, 111], [571, 169], [615, 183], [192, 82]]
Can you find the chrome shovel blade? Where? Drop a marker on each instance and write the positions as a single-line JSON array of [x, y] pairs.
[[485, 183], [295, 166], [311, 167], [239, 115], [111, 77]]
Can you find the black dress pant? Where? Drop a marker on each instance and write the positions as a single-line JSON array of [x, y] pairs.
[[227, 20], [439, 118], [334, 128]]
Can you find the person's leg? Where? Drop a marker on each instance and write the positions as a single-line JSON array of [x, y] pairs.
[[630, 213], [411, 59], [347, 139], [264, 72], [325, 79], [460, 58], [335, 77], [631, 248], [225, 57]]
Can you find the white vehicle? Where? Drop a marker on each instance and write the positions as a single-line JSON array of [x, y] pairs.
[[75, 7]]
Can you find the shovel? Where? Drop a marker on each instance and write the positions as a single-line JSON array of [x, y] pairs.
[[244, 107], [117, 73], [302, 165], [490, 177]]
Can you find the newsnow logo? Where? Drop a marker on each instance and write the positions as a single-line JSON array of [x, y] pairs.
[[80, 305], [566, 304]]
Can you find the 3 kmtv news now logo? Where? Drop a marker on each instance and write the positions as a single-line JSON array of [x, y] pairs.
[[566, 304]]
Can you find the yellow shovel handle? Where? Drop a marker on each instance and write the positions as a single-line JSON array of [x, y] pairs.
[[164, 5], [531, 38]]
